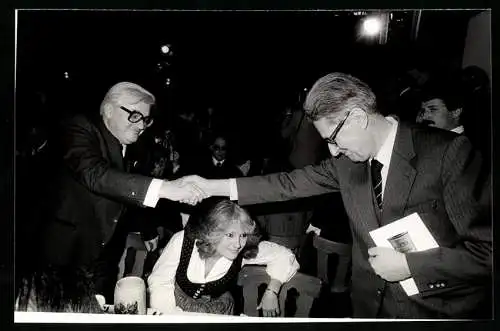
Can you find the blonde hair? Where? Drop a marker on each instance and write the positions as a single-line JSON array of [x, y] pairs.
[[215, 217], [128, 89]]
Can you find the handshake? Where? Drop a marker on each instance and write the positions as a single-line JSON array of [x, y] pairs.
[[193, 189]]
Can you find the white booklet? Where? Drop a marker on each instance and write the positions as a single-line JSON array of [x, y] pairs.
[[408, 234]]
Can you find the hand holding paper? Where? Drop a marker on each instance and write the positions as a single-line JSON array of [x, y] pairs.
[[389, 264], [408, 234]]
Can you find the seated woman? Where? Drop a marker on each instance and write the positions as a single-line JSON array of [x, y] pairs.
[[200, 264], [57, 289]]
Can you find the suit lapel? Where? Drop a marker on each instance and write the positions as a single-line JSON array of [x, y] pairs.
[[400, 177], [112, 145], [362, 198]]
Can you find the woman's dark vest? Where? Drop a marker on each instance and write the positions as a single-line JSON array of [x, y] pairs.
[[213, 289]]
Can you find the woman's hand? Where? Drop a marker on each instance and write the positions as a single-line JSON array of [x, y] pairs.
[[269, 304]]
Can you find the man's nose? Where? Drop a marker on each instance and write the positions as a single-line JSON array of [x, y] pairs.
[[141, 125]]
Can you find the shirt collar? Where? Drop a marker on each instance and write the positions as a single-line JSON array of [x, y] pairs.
[[459, 129], [385, 152], [215, 161]]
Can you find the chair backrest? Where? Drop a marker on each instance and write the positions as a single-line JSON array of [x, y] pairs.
[[325, 247], [251, 277]]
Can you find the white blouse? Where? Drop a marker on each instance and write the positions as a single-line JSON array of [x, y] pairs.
[[281, 265]]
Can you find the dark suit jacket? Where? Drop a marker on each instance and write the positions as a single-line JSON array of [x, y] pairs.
[[432, 172], [89, 193]]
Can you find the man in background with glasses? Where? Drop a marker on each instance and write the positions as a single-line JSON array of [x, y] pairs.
[[385, 170], [92, 187], [217, 165]]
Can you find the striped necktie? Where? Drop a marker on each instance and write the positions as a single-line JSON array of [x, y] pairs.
[[376, 168]]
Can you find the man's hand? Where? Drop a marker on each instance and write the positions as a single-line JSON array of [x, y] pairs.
[[152, 244], [201, 182], [389, 264], [312, 228], [212, 187], [179, 190]]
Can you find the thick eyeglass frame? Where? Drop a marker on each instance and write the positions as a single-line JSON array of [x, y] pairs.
[[135, 117], [333, 136]]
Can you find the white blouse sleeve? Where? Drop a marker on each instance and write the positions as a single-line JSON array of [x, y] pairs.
[[280, 261], [161, 282]]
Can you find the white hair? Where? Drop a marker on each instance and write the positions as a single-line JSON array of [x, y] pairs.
[[128, 89]]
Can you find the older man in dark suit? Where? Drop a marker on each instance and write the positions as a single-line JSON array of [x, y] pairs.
[[386, 170], [92, 186]]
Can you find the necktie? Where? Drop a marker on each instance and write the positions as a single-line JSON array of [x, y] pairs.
[[376, 168]]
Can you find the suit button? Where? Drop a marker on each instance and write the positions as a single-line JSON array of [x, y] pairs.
[[133, 194], [115, 221], [103, 243], [379, 291], [431, 285], [443, 284]]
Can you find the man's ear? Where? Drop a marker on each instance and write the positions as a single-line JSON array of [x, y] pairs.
[[457, 113], [360, 117], [108, 110]]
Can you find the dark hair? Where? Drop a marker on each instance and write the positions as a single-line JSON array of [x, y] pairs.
[[212, 218], [449, 90], [336, 92], [58, 289]]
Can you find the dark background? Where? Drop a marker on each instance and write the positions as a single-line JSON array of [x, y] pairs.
[[236, 60], [248, 65]]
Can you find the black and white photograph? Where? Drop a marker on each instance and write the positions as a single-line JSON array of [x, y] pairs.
[[199, 166]]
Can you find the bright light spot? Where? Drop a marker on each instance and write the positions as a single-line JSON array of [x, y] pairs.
[[305, 88], [165, 49], [167, 81], [66, 75], [372, 26]]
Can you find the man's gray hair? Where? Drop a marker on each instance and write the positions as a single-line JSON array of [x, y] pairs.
[[336, 92], [130, 90]]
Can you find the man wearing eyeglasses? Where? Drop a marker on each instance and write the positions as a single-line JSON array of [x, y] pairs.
[[216, 165], [385, 170], [93, 185]]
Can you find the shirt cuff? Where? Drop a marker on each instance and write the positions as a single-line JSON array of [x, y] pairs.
[[233, 189], [153, 193]]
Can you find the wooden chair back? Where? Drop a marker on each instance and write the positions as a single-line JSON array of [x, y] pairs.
[[341, 281], [251, 277]]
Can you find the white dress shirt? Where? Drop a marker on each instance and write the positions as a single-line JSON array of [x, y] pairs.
[[281, 265], [215, 161], [459, 129]]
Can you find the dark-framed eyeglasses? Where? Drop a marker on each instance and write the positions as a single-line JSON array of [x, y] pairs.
[[135, 116], [333, 136]]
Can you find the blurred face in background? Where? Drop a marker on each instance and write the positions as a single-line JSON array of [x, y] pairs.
[[219, 149], [435, 113]]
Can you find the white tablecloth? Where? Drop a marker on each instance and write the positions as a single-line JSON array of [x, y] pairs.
[[186, 317]]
